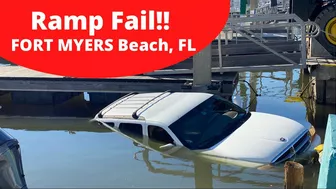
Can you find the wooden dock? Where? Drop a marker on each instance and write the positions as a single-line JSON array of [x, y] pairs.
[[17, 78], [322, 72]]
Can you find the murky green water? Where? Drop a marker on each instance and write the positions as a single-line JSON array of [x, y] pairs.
[[76, 153]]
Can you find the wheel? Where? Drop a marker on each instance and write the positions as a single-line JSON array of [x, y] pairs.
[[327, 22]]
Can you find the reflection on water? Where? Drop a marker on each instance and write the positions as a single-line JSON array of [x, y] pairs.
[[71, 152], [206, 174]]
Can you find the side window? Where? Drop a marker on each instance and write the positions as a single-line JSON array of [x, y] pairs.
[[131, 129], [159, 135], [111, 124]]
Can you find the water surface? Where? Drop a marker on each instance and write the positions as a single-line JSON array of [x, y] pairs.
[[72, 152]]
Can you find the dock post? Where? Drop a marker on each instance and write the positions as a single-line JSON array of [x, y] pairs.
[[202, 75], [294, 175], [325, 83], [327, 175]]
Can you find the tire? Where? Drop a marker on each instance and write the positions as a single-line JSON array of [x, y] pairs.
[[325, 16]]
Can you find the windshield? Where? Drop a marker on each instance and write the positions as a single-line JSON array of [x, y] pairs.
[[208, 123]]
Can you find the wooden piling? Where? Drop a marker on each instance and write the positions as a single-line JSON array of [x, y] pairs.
[[294, 175]]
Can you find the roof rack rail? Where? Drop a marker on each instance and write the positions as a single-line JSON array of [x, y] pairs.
[[100, 115], [135, 116]]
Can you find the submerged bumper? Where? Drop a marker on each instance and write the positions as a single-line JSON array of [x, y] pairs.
[[310, 155]]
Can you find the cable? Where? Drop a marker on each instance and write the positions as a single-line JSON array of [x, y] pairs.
[[328, 33], [250, 87], [251, 102], [306, 87], [256, 94]]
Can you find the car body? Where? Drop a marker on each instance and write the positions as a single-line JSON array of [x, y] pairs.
[[11, 167], [209, 126]]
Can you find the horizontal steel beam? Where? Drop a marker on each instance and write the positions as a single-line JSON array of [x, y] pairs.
[[230, 69], [263, 26], [108, 85], [268, 17]]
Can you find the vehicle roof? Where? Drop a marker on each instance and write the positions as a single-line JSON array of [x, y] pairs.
[[165, 107]]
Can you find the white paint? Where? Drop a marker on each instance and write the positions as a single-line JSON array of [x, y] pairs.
[[258, 139]]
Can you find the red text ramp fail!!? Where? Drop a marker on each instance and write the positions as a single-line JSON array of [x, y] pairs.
[[105, 38]]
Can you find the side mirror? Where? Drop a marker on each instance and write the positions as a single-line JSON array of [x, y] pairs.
[[167, 146]]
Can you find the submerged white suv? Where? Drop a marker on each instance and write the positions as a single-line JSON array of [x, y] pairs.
[[208, 125]]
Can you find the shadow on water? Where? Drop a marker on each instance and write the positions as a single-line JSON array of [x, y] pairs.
[[71, 125], [74, 152]]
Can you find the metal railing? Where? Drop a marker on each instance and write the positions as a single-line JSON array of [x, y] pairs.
[[240, 27]]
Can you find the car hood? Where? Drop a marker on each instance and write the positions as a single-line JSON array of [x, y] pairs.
[[260, 138]]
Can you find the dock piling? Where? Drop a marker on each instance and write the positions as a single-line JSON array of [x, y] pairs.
[[202, 74], [294, 175]]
